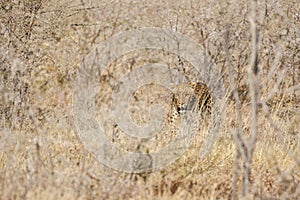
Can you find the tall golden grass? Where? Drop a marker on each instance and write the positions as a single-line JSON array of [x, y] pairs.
[[42, 45]]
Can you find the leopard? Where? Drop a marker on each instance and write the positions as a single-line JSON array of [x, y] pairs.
[[194, 95], [191, 96]]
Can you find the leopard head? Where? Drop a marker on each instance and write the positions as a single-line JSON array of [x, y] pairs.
[[184, 98], [191, 96]]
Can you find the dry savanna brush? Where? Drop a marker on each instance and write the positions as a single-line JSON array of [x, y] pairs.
[[253, 45]]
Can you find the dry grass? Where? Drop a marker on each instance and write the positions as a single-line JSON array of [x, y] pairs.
[[42, 44]]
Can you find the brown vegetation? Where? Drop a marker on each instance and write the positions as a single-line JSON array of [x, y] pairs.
[[42, 45]]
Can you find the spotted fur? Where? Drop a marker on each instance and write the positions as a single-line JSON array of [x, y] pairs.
[[203, 96], [193, 96]]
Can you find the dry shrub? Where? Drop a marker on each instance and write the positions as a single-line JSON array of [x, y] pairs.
[[42, 44]]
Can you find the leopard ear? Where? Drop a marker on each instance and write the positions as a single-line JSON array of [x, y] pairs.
[[193, 84], [173, 97]]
